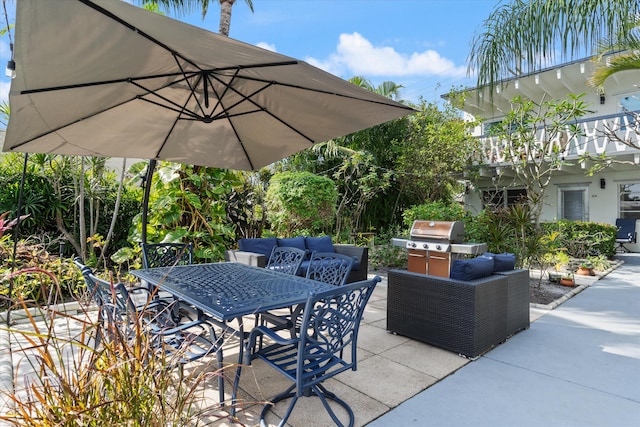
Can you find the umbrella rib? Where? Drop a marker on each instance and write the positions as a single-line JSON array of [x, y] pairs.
[[104, 82], [248, 97], [193, 89], [178, 108], [325, 92]]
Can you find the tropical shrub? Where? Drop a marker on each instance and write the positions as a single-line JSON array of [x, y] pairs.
[[300, 203], [585, 239], [188, 204], [434, 211]]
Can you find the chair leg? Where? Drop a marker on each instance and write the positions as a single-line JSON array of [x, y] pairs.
[[319, 391]]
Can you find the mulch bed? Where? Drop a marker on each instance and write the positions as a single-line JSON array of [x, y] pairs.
[[544, 292]]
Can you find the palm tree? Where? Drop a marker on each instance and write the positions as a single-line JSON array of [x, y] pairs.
[[625, 58], [185, 6], [523, 36]]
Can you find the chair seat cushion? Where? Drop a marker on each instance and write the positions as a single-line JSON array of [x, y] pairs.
[[262, 246], [471, 269]]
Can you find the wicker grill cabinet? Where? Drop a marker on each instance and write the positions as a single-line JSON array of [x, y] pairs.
[[467, 317]]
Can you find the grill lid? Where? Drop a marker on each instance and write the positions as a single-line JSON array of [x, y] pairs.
[[450, 231]]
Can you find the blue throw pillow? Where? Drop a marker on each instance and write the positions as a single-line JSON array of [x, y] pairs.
[[262, 246], [319, 244], [471, 269], [293, 242], [502, 262]]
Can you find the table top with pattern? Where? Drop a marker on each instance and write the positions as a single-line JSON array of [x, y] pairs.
[[228, 290]]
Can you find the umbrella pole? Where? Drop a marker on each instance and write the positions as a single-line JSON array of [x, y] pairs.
[[145, 200]]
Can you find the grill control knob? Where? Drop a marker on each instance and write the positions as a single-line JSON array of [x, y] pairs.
[[411, 244], [425, 246], [438, 247]]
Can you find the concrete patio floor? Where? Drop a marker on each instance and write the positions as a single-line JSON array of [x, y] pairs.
[[391, 370]]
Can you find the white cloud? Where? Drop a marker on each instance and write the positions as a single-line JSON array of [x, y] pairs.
[[355, 55], [267, 46]]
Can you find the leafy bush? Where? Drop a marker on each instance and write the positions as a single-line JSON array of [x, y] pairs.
[[434, 211], [32, 285], [300, 203], [387, 256]]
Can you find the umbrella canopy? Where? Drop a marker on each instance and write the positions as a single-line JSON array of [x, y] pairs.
[[105, 78]]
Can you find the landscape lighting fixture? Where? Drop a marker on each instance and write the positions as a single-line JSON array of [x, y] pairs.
[[11, 69]]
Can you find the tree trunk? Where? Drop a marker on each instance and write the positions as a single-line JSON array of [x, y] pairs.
[[82, 223], [225, 16], [116, 208]]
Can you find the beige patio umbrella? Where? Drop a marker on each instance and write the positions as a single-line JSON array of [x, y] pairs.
[[105, 78]]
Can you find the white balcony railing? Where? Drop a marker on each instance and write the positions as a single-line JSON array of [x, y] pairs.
[[596, 136]]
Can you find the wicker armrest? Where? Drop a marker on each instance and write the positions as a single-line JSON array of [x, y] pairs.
[[362, 255], [243, 257], [517, 300]]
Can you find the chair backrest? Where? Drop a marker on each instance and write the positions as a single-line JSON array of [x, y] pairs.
[[286, 259], [330, 324], [87, 273], [329, 267], [626, 229], [166, 254]]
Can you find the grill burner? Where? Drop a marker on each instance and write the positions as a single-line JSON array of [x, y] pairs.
[[433, 245]]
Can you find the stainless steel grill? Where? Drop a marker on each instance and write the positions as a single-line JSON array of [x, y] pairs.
[[433, 245]]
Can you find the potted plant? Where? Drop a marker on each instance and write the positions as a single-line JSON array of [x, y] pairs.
[[585, 269], [567, 280]]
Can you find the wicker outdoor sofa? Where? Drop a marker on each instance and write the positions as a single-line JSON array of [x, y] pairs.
[[256, 252], [468, 317]]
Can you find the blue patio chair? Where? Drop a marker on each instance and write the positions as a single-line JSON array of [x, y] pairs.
[[168, 255], [286, 259], [327, 267], [180, 344], [329, 330], [120, 317]]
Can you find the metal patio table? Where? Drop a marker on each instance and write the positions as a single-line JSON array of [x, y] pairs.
[[227, 291]]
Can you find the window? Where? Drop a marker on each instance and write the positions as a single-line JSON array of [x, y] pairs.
[[573, 203], [629, 196], [495, 199]]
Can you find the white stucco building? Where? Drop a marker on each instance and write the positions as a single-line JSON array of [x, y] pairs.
[[609, 194]]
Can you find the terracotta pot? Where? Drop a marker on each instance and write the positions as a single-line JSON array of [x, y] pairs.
[[567, 282], [585, 271]]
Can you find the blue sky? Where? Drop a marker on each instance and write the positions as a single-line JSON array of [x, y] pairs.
[[419, 44]]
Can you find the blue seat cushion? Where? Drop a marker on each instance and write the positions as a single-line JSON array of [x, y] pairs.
[[262, 246], [471, 269], [319, 244], [293, 242], [502, 262]]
